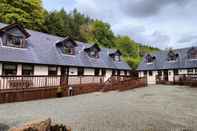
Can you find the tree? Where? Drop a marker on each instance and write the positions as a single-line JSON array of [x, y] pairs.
[[55, 23], [98, 32], [127, 46], [29, 13]]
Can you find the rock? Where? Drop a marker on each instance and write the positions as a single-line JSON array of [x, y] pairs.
[[37, 125], [40, 125]]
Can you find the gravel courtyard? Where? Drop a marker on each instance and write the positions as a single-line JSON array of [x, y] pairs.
[[154, 108]]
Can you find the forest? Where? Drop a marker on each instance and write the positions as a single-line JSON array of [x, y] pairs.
[[32, 15]]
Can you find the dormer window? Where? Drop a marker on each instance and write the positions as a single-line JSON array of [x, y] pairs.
[[116, 55], [172, 56], [70, 51], [93, 51], [117, 58], [14, 35], [67, 46], [192, 53], [15, 41], [150, 59]]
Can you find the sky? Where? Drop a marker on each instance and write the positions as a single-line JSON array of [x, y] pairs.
[[159, 23]]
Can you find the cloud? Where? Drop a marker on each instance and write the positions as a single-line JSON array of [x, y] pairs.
[[159, 40], [188, 39], [146, 8]]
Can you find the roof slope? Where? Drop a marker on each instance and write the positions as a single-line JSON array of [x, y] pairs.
[[161, 61], [41, 49]]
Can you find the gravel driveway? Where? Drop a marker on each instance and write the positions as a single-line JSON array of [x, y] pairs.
[[156, 107]]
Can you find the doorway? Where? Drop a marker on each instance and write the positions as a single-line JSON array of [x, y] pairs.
[[166, 75], [64, 75]]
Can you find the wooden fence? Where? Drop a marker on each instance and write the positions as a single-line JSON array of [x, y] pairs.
[[186, 79], [23, 88], [181, 79]]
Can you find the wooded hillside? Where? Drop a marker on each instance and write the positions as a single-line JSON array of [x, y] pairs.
[[32, 15]]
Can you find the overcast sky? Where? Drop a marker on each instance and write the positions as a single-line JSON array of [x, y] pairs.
[[159, 23]]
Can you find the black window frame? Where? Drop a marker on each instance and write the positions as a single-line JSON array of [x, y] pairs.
[[113, 72], [70, 50], [52, 72], [103, 72], [80, 71], [190, 71], [176, 71], [15, 41], [150, 73], [27, 72], [97, 72], [118, 72], [125, 72], [5, 71]]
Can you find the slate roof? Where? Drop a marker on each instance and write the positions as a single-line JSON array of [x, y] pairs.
[[42, 49], [161, 61]]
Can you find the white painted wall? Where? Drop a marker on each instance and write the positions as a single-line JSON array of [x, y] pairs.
[[122, 73], [19, 69], [40, 70], [88, 71], [170, 75], [128, 73], [108, 74], [140, 74], [73, 71], [58, 70], [182, 71], [151, 79]]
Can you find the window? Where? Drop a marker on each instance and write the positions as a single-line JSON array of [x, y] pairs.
[[116, 58], [172, 56], [150, 59], [145, 73], [192, 53], [113, 72], [150, 73], [125, 73], [103, 72], [52, 70], [176, 72], [196, 71], [190, 71], [9, 69], [159, 73], [69, 51], [93, 54], [80, 71], [96, 72], [118, 72], [15, 41], [27, 69]]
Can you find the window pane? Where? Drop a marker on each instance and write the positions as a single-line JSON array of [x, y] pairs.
[[190, 71], [103, 72], [52, 70], [96, 72], [80, 71], [27, 70], [9, 69], [150, 73]]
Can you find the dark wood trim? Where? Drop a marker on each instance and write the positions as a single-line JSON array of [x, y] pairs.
[[61, 65]]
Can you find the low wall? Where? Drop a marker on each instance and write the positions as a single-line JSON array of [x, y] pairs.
[[51, 92], [125, 85], [27, 94], [43, 93]]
